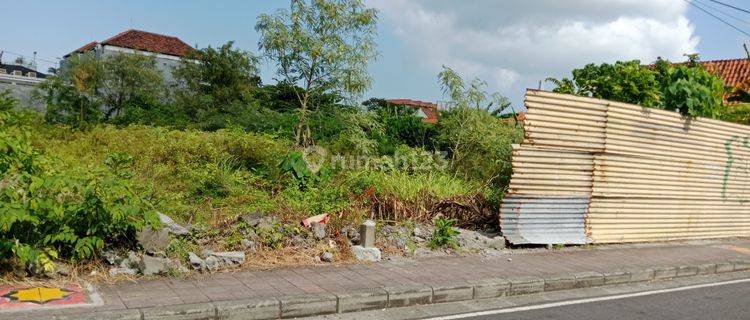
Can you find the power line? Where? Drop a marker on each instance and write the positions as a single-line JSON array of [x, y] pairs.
[[31, 57], [723, 12], [731, 6], [717, 18]]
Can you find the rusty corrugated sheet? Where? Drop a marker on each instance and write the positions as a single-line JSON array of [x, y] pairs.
[[654, 175]]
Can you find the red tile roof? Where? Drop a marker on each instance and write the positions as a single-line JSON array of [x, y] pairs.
[[732, 71], [144, 41], [86, 47], [428, 108]]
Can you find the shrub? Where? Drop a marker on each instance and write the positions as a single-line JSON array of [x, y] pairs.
[[46, 213], [444, 234], [626, 81], [693, 91], [479, 144]]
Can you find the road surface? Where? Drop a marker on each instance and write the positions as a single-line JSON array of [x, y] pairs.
[[725, 301]]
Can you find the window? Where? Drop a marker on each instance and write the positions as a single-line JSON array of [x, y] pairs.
[[31, 74], [3, 71], [17, 72]]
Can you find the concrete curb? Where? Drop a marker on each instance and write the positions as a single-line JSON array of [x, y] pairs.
[[394, 297]]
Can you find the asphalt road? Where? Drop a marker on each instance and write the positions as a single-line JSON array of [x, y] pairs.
[[731, 301]]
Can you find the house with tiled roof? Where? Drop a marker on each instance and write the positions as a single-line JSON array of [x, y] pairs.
[[168, 50], [428, 111]]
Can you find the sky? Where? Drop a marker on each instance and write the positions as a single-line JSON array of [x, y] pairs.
[[510, 44]]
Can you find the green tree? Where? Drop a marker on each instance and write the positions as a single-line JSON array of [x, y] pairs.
[[479, 144], [216, 84], [693, 91], [625, 81], [130, 81], [71, 95], [687, 88], [320, 46]]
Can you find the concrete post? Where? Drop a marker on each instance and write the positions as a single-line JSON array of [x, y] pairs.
[[367, 234]]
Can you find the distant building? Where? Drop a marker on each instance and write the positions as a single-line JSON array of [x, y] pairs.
[[428, 111], [21, 81], [167, 50]]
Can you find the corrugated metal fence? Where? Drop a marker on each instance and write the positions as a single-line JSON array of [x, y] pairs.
[[597, 171]]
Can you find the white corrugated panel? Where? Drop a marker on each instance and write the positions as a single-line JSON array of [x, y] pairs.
[[654, 175]]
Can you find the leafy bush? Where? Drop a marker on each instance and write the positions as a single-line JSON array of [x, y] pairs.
[[444, 234], [46, 213], [693, 91], [687, 88], [479, 144], [626, 81]]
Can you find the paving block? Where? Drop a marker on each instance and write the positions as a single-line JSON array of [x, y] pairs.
[[724, 267], [564, 282], [665, 273], [526, 285], [491, 288], [741, 265], [249, 309], [450, 293], [361, 301], [641, 274], [193, 311], [99, 315], [588, 279], [616, 277], [687, 271], [408, 295], [308, 305], [708, 268]]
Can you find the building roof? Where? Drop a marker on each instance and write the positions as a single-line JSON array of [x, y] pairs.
[[429, 109], [144, 41], [9, 68], [732, 71]]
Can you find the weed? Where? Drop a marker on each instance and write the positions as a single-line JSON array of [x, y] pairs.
[[444, 234]]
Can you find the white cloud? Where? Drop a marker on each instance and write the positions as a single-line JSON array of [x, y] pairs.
[[514, 44]]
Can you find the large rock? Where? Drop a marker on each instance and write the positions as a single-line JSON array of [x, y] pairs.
[[326, 257], [114, 271], [196, 262], [229, 257], [212, 263], [172, 226], [351, 234], [371, 254], [154, 241], [318, 230], [154, 265], [112, 257], [252, 219]]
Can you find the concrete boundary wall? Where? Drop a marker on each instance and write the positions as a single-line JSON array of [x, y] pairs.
[[644, 174]]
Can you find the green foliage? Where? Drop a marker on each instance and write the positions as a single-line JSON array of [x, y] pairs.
[[472, 94], [7, 102], [444, 234], [46, 212], [626, 81], [71, 95], [687, 88], [739, 113], [294, 164], [479, 144], [322, 46], [89, 89], [216, 85], [132, 85], [693, 91]]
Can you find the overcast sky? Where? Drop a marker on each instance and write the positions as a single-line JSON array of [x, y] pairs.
[[510, 44]]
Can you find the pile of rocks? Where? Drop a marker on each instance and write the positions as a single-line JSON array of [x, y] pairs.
[[213, 261]]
